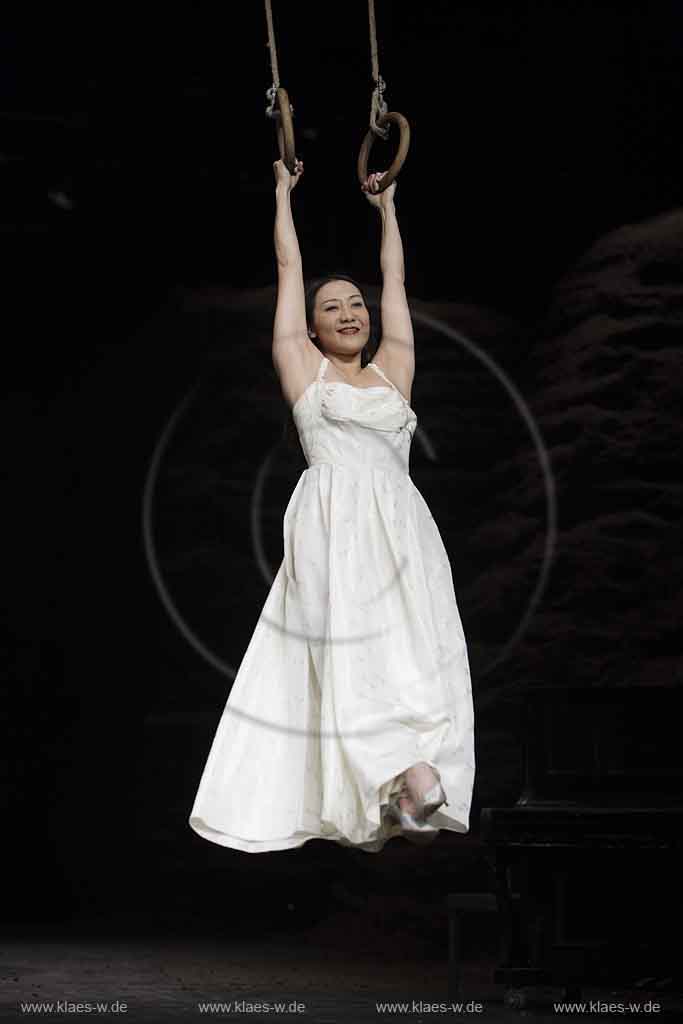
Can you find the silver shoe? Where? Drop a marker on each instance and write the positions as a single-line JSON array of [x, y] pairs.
[[431, 801], [416, 831]]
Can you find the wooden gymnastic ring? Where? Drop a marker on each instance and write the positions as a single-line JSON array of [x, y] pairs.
[[285, 130], [403, 146]]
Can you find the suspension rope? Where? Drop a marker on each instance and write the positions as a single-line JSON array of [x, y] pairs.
[[271, 93], [279, 108], [378, 106], [379, 111]]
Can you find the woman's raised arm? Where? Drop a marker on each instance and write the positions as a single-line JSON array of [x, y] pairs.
[[396, 352], [290, 312], [293, 350], [286, 242]]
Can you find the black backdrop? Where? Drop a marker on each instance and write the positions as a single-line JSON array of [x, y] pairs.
[[136, 213]]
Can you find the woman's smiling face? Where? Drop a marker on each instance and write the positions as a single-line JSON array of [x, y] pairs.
[[340, 318]]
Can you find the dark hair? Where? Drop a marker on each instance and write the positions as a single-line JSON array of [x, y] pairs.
[[291, 436]]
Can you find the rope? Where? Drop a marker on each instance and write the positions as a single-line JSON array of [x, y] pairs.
[[270, 93], [377, 106]]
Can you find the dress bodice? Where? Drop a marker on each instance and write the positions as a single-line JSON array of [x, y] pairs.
[[342, 424]]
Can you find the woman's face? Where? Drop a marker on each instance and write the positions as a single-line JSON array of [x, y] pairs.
[[340, 318]]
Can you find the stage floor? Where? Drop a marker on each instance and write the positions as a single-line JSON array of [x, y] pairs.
[[160, 979]]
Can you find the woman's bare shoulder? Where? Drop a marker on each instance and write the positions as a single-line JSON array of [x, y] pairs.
[[400, 369], [296, 363]]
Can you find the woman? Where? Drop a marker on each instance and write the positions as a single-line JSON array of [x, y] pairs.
[[350, 717]]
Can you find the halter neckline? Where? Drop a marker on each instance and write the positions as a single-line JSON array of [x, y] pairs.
[[325, 362]]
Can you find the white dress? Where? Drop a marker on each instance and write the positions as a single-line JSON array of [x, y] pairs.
[[357, 667]]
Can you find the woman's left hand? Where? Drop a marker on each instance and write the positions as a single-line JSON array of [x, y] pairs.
[[378, 199]]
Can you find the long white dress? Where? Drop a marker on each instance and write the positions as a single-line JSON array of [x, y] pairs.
[[357, 667]]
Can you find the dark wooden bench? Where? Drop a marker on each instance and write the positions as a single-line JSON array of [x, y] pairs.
[[602, 801]]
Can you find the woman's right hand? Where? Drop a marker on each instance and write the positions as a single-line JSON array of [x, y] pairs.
[[283, 177]]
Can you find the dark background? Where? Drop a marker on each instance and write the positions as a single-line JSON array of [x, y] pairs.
[[540, 208]]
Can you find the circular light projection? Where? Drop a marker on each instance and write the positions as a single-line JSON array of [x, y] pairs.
[[257, 505]]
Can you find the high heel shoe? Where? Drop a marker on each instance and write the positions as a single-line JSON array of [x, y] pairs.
[[415, 831], [431, 801]]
